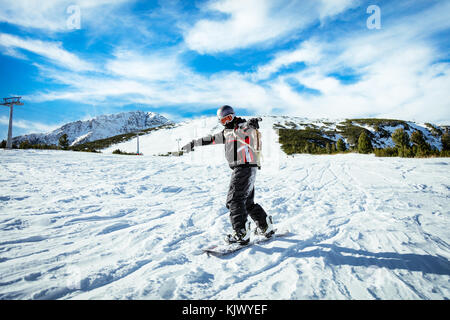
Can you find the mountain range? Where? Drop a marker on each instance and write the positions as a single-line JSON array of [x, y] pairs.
[[160, 135], [100, 127]]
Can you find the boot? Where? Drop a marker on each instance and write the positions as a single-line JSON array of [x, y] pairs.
[[240, 236], [268, 230]]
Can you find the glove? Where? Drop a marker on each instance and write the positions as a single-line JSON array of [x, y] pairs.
[[253, 122], [188, 147]]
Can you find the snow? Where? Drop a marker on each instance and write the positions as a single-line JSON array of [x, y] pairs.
[[83, 137], [102, 226]]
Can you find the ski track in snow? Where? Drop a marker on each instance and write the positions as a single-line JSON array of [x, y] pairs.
[[96, 226]]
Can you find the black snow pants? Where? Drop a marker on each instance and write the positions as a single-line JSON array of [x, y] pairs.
[[240, 199]]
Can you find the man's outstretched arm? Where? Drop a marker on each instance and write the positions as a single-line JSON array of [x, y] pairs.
[[217, 138]]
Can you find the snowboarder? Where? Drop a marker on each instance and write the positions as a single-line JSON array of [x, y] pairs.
[[241, 139]]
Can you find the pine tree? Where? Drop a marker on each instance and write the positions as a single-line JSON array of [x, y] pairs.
[[421, 147], [63, 142], [307, 148], [418, 139], [400, 138], [333, 148], [341, 145], [328, 148], [364, 143], [445, 140], [25, 145], [402, 142]]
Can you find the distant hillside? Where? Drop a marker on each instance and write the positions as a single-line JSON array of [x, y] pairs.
[[101, 127], [321, 136]]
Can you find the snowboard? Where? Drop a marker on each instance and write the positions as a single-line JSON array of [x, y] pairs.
[[223, 249]]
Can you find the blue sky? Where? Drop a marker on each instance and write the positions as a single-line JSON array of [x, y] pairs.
[[311, 58]]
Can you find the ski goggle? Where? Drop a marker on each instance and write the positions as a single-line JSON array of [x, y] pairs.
[[227, 119]]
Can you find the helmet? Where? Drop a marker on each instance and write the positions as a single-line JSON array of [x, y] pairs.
[[225, 114]]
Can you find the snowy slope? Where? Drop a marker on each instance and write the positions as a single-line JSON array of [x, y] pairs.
[[98, 226], [164, 141], [101, 127]]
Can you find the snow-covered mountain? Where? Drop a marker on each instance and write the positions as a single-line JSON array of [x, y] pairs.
[[101, 127]]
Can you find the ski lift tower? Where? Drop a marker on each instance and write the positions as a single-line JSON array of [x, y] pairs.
[[11, 102]]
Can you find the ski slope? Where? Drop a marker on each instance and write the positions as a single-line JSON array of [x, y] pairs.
[[102, 226], [170, 139], [167, 140]]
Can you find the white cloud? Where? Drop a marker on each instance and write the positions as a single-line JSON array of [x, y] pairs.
[[397, 69], [308, 52], [49, 15], [181, 89], [29, 126], [92, 89], [330, 8], [398, 78], [48, 49], [162, 66], [246, 25], [254, 22]]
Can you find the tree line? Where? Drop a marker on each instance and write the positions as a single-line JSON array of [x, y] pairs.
[[63, 144], [313, 142], [414, 146]]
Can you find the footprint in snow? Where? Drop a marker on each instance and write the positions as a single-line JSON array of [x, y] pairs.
[[171, 189]]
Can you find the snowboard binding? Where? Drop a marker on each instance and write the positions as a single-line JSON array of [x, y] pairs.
[[268, 231], [241, 237]]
